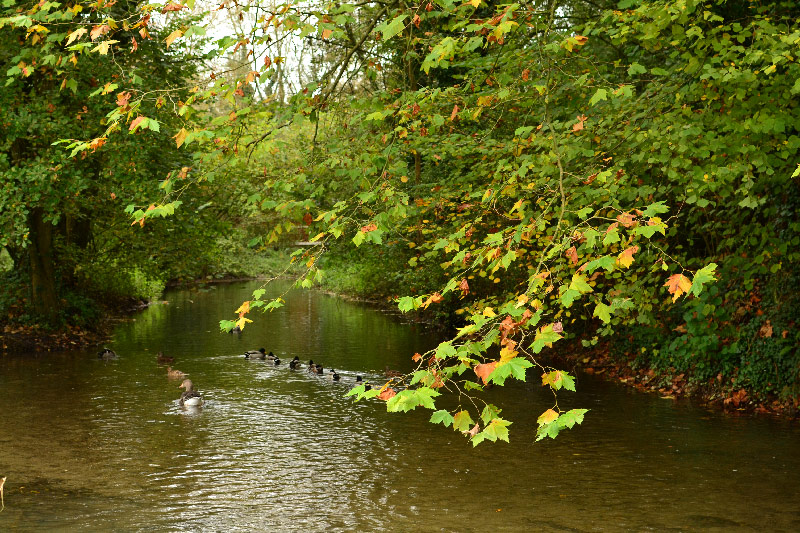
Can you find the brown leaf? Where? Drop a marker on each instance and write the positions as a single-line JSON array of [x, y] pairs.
[[416, 20], [581, 40], [369, 227], [474, 431], [526, 74], [99, 31], [138, 120], [464, 286], [626, 219], [766, 330], [578, 126], [454, 114]]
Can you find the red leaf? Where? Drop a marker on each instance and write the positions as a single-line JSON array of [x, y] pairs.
[[138, 120], [464, 287], [369, 227]]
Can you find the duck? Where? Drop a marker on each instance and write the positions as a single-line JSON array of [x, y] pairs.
[[164, 359], [175, 374], [311, 366], [271, 356], [190, 396], [106, 354], [261, 354], [294, 363], [235, 331], [318, 369], [360, 381], [334, 376], [276, 361], [392, 373]]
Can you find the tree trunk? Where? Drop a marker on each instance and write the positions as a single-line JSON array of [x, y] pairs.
[[44, 299]]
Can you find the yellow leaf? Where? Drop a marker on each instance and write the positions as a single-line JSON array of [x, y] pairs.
[[317, 237], [242, 321], [172, 36], [678, 284], [489, 312], [77, 34], [244, 308], [475, 3], [626, 257], [180, 137], [507, 354], [547, 417], [404, 179]]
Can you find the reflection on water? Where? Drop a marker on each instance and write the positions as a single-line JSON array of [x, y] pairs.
[[94, 445]]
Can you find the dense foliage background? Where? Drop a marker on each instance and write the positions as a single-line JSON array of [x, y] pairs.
[[620, 173]]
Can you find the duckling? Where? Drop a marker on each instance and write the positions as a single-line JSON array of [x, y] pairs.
[[392, 373], [175, 374], [261, 354], [106, 354], [294, 363], [163, 359], [189, 396]]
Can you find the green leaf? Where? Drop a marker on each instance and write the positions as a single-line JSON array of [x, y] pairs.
[[390, 29], [497, 429], [579, 283], [703, 276], [601, 94], [603, 312], [462, 421], [636, 68], [442, 417], [655, 209]]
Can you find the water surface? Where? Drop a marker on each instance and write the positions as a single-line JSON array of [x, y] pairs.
[[97, 446]]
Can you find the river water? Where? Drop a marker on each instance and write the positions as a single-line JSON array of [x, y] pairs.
[[96, 445]]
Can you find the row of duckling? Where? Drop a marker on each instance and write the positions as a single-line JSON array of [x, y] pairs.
[[295, 364]]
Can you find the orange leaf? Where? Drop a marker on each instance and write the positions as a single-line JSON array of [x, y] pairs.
[[581, 40], [454, 114], [417, 357], [464, 286], [172, 36], [172, 6], [387, 394], [678, 284], [326, 33], [244, 308], [578, 126], [483, 371], [99, 31], [123, 98], [369, 227], [138, 120], [572, 254]]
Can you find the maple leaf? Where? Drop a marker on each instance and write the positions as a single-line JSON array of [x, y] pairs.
[[766, 330], [578, 126], [474, 431], [326, 33], [626, 257], [626, 219], [77, 34], [99, 31], [526, 74], [464, 287], [572, 254], [416, 20], [97, 143], [172, 6], [454, 114], [180, 137], [580, 40], [123, 98], [136, 122], [243, 309], [134, 44], [484, 370], [387, 394], [242, 322], [369, 227], [417, 357], [172, 36], [547, 417], [678, 284]]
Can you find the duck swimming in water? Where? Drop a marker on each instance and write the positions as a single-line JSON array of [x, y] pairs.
[[261, 354], [106, 354], [163, 359], [175, 374], [190, 396], [311, 365], [294, 363], [334, 376]]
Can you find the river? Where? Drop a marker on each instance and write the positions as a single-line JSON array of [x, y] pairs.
[[95, 445]]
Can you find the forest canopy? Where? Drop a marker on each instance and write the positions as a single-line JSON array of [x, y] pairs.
[[527, 172]]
